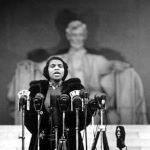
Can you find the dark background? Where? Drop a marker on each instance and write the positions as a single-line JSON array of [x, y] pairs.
[[117, 25]]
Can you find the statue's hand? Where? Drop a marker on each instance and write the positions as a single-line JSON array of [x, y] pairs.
[[119, 65]]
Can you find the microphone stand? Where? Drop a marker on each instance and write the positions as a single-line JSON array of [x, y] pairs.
[[38, 103], [77, 128], [85, 130], [85, 98], [22, 137], [77, 105], [39, 113], [56, 130], [63, 141], [56, 137], [104, 142], [38, 129], [23, 104], [64, 103]]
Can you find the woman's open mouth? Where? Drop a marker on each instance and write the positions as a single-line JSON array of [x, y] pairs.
[[57, 73]]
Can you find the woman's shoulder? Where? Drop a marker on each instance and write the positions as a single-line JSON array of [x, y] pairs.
[[72, 80], [72, 84]]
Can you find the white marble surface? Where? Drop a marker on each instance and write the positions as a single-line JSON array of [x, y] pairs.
[[137, 137]]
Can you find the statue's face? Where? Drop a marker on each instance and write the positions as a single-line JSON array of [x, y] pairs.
[[77, 38], [56, 69]]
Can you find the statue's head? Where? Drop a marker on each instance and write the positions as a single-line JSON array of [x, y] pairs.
[[76, 33]]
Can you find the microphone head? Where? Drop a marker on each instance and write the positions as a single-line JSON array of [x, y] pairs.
[[64, 97], [64, 102], [100, 98], [77, 102], [38, 101], [23, 97], [23, 100], [84, 93], [39, 96]]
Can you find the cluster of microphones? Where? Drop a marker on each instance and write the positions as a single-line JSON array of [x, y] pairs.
[[77, 99]]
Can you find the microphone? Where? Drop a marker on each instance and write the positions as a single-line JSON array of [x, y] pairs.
[[100, 100], [83, 93], [64, 102], [76, 100], [38, 101], [85, 96], [24, 99]]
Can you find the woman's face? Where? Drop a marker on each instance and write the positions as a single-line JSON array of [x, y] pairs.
[[77, 38], [56, 69]]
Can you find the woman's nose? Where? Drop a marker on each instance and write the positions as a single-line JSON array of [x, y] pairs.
[[56, 67]]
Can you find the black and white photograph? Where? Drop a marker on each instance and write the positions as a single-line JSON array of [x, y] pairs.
[[75, 74]]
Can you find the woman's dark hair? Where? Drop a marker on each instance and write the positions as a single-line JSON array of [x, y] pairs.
[[46, 73]]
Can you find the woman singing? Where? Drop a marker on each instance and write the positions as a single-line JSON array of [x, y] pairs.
[[45, 95]]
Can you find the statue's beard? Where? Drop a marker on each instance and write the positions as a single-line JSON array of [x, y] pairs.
[[77, 45]]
